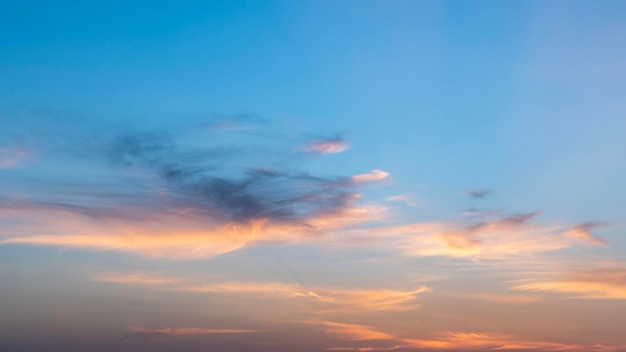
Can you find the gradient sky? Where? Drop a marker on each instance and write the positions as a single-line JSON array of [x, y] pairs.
[[277, 176]]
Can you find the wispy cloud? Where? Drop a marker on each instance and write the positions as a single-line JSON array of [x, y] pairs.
[[137, 278], [607, 283], [140, 332], [354, 332], [165, 234], [447, 341], [326, 146], [374, 175], [499, 237], [407, 198], [335, 299], [330, 298]]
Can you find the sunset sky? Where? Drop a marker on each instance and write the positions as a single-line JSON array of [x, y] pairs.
[[280, 176]]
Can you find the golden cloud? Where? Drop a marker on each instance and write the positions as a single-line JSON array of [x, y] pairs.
[[177, 236], [495, 239], [591, 284], [449, 341]]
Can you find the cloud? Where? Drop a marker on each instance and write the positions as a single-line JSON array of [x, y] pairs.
[[161, 196], [138, 278], [183, 235], [331, 298], [447, 341], [164, 194], [334, 299], [374, 175], [407, 198], [140, 332], [495, 238], [583, 233], [354, 332], [604, 283], [326, 146]]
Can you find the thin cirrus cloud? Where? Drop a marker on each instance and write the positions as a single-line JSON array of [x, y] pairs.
[[604, 283], [407, 198], [494, 238], [334, 299], [137, 332], [139, 278], [364, 336]]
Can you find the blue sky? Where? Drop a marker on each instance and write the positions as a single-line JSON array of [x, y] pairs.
[[301, 137]]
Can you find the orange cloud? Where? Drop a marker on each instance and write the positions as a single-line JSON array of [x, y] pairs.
[[495, 239], [353, 332], [449, 341], [336, 298], [172, 235], [184, 234], [591, 284]]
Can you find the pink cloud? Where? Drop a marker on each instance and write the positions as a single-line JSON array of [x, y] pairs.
[[374, 175], [326, 146]]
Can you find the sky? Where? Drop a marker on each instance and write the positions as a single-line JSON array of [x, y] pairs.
[[277, 176]]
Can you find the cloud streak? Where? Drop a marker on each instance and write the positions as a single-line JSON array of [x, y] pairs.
[[495, 238], [333, 299], [326, 146], [138, 278], [588, 284], [137, 332], [446, 341]]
